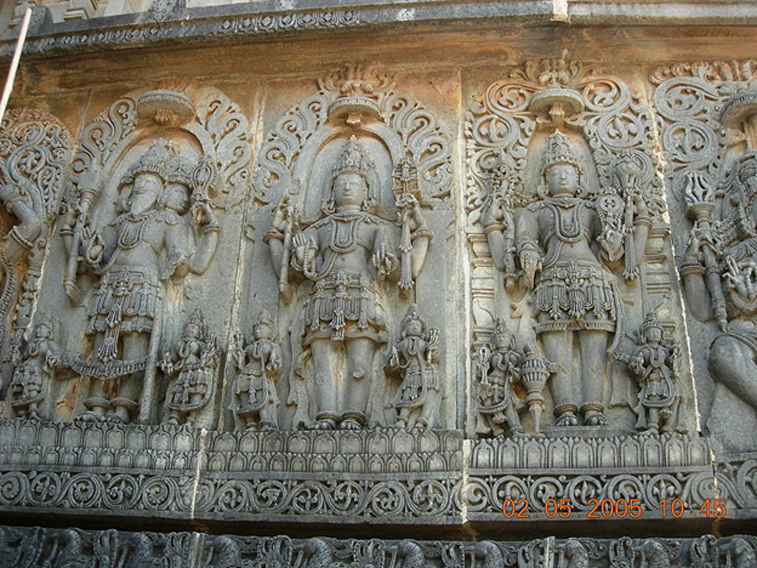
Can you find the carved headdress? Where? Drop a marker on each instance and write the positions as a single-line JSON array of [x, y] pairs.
[[502, 336], [265, 319], [156, 160], [412, 315], [652, 321], [559, 152], [353, 159], [196, 320]]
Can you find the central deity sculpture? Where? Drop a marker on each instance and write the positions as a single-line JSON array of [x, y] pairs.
[[562, 243], [150, 241], [346, 256]]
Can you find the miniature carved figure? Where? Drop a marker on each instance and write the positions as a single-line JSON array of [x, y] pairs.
[[720, 276], [194, 365], [345, 256], [149, 242], [654, 361], [414, 360], [259, 364], [562, 242], [499, 368], [36, 365]]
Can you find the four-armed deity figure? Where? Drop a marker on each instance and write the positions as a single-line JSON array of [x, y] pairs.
[[150, 241], [345, 256], [259, 364], [561, 242], [720, 274]]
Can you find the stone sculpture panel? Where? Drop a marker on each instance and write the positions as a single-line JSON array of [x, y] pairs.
[[566, 226]]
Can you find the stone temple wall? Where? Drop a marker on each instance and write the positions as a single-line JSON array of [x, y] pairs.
[[442, 284]]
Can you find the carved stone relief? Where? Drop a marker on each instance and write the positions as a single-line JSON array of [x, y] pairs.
[[361, 174], [709, 112], [565, 203], [57, 548], [140, 228], [34, 155]]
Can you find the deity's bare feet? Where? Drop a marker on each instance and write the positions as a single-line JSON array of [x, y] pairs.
[[567, 418], [595, 419], [89, 416], [350, 424], [325, 424]]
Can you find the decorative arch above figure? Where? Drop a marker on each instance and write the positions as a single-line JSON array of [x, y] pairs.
[[565, 200], [356, 169]]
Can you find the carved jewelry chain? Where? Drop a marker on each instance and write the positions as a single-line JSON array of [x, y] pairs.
[[567, 231]]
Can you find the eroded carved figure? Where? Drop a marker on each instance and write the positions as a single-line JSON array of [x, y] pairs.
[[150, 241], [499, 370], [256, 402], [193, 367], [720, 273], [36, 364], [414, 359], [564, 243], [345, 256], [654, 362]]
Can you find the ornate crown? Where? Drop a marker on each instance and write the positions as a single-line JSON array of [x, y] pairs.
[[156, 160], [559, 152], [411, 316], [265, 319], [652, 321], [353, 159], [196, 319], [501, 331]]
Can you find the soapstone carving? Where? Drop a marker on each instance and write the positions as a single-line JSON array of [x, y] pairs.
[[574, 295], [34, 154], [346, 256], [580, 254], [36, 362], [150, 241], [719, 272], [499, 370], [193, 368], [259, 365], [414, 359], [655, 362]]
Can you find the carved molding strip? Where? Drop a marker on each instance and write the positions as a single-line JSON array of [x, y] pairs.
[[206, 24], [26, 547]]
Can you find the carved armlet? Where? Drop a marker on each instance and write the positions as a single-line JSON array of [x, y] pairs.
[[645, 220], [16, 236], [210, 228], [273, 235], [493, 226], [422, 232], [692, 267]]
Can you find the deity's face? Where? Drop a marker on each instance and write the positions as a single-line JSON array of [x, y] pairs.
[[262, 331], [562, 179], [413, 328], [349, 191], [145, 193], [654, 335], [177, 197], [192, 331]]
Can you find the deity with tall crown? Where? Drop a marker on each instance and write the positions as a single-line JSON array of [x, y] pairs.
[[563, 243], [346, 257], [151, 240]]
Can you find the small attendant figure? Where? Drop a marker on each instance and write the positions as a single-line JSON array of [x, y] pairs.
[[259, 365], [414, 359], [35, 369], [654, 362], [194, 367]]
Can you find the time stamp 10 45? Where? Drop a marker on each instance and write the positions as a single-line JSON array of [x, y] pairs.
[[609, 509]]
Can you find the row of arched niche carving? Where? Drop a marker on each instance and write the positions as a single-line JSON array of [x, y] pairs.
[[348, 233]]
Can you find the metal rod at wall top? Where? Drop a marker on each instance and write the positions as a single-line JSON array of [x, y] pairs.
[[14, 63]]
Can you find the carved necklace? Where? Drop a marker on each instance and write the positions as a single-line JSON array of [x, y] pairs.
[[131, 228], [344, 230], [567, 221]]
